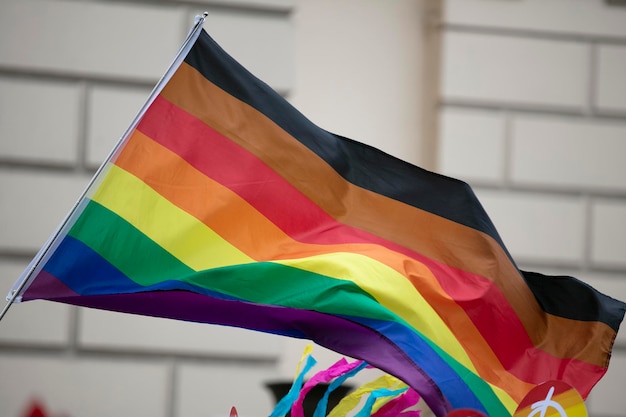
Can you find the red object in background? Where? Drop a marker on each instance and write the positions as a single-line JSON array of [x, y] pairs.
[[36, 409], [233, 412], [465, 412]]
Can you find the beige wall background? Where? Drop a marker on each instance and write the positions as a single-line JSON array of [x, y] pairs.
[[524, 99]]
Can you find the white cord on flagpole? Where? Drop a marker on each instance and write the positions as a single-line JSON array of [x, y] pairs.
[[193, 34]]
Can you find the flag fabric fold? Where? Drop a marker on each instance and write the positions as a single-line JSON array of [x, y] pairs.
[[225, 205]]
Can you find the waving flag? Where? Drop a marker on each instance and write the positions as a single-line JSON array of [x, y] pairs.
[[225, 205]]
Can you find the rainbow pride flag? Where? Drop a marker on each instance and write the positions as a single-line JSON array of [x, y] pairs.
[[225, 205]]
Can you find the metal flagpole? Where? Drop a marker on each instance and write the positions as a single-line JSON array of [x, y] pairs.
[[26, 277]]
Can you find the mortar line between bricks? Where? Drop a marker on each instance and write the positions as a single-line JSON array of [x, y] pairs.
[[67, 76], [171, 400], [124, 353], [592, 79], [81, 139], [533, 109], [535, 34], [585, 261], [507, 149], [73, 330]]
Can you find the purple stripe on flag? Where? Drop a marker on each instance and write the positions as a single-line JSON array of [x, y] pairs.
[[327, 330], [46, 284]]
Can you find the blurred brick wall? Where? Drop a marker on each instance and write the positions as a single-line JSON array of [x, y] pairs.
[[533, 115]]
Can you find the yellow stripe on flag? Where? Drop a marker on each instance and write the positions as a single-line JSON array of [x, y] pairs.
[[175, 230]]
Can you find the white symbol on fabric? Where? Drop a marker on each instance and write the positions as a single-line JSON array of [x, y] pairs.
[[541, 407]]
